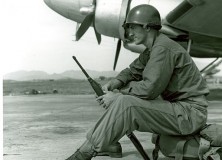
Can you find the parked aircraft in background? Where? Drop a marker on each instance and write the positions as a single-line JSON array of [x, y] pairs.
[[195, 24], [211, 69]]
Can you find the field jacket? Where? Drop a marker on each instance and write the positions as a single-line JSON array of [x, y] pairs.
[[166, 69]]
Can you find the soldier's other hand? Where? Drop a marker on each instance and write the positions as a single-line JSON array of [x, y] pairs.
[[106, 87], [107, 99], [111, 85]]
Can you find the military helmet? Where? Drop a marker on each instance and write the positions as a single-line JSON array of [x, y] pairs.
[[145, 15]]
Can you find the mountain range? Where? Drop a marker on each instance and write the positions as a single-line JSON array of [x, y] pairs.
[[41, 75]]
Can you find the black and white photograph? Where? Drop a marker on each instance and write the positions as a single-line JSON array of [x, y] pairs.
[[111, 80]]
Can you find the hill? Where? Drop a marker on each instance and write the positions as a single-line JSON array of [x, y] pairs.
[[41, 75]]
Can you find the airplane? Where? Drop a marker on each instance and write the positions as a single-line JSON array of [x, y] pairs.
[[211, 69], [195, 24]]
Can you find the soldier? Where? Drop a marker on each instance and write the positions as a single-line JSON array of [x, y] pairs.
[[164, 69]]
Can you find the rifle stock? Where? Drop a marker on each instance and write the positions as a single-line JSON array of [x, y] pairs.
[[99, 92]]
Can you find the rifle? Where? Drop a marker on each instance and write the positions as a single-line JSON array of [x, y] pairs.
[[99, 92]]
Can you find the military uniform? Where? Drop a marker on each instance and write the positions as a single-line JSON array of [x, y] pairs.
[[165, 70]]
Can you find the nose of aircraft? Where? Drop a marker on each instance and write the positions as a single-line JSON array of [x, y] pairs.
[[48, 2], [68, 8], [60, 6]]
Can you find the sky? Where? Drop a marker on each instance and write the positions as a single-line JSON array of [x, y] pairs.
[[34, 37], [37, 38]]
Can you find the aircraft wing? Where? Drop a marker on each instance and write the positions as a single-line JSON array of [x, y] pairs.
[[198, 16], [202, 20]]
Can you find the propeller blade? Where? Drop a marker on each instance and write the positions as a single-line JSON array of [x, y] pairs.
[[84, 26], [98, 36], [117, 53], [77, 26]]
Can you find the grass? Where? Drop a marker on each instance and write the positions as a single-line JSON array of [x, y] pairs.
[[215, 94], [67, 87]]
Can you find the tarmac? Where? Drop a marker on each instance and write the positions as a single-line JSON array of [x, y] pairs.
[[52, 127]]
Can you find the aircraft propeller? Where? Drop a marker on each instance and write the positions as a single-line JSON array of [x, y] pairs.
[[88, 21], [118, 47]]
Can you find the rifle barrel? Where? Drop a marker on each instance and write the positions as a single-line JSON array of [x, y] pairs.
[[83, 70]]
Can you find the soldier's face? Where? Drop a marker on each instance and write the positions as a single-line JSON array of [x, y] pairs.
[[137, 33]]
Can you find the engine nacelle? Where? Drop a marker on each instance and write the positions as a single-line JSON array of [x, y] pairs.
[[109, 17]]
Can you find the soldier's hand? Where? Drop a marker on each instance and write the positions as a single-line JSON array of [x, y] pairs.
[[107, 86], [107, 99], [111, 85]]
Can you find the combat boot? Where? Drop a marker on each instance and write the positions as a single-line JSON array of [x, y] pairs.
[[114, 151], [85, 152]]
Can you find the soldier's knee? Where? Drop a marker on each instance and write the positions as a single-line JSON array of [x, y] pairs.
[[124, 101], [124, 98]]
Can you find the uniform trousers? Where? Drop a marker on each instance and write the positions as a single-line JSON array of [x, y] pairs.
[[129, 113]]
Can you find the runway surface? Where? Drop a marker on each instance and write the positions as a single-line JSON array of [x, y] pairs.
[[52, 127]]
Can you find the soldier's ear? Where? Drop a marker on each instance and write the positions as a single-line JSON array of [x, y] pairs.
[[147, 28]]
